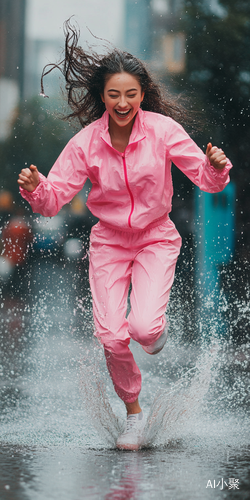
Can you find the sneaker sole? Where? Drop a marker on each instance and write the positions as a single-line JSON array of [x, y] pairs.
[[128, 447], [157, 350]]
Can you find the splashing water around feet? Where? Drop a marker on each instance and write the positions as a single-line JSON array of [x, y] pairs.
[[96, 402], [169, 412], [174, 407]]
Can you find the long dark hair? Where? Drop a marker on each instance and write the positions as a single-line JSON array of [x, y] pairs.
[[87, 72]]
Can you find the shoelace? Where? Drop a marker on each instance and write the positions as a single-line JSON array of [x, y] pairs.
[[131, 420]]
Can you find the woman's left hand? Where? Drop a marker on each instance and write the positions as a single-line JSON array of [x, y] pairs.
[[216, 156]]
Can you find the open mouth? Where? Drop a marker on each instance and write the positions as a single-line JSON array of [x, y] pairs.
[[122, 114]]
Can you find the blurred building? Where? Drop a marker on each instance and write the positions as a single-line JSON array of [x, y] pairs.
[[38, 53], [151, 33], [12, 29], [168, 43], [138, 38]]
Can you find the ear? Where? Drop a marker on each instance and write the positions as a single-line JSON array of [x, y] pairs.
[[102, 98], [142, 96]]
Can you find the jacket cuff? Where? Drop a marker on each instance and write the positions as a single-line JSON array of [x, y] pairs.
[[216, 172], [31, 196]]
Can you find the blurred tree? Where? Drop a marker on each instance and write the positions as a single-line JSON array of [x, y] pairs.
[[218, 73], [38, 136]]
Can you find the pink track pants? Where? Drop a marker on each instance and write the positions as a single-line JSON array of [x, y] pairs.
[[147, 260]]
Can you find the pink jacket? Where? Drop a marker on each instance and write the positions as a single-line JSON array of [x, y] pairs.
[[131, 190]]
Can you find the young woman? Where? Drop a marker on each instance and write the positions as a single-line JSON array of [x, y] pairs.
[[129, 138]]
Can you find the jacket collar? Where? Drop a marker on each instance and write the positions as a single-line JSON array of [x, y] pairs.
[[137, 134]]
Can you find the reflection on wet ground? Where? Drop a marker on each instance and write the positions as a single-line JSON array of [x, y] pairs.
[[53, 442], [177, 471]]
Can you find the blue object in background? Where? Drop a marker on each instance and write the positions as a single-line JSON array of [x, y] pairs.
[[49, 233], [138, 30], [215, 242]]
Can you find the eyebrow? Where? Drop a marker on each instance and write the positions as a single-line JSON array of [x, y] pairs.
[[130, 90]]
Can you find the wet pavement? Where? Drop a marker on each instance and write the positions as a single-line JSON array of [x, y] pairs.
[[59, 415]]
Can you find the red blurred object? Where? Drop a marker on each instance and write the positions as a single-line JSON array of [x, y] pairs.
[[16, 237]]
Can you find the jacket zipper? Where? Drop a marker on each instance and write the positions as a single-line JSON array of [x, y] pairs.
[[129, 190], [126, 181]]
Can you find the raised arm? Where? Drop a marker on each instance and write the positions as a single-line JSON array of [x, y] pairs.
[[66, 178], [209, 171]]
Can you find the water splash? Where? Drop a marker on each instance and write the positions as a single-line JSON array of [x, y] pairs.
[[169, 412], [39, 374], [172, 409], [95, 399]]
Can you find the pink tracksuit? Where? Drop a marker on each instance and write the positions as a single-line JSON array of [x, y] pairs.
[[134, 241]]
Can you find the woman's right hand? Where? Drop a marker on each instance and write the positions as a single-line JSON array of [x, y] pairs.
[[29, 178]]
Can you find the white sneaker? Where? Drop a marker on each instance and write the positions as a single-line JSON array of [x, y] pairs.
[[158, 345], [131, 438]]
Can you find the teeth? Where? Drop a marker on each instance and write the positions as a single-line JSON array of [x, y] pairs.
[[122, 112]]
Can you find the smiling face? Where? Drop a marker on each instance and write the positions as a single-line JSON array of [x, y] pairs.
[[122, 97]]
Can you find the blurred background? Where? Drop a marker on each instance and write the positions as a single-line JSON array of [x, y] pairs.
[[199, 49], [54, 387]]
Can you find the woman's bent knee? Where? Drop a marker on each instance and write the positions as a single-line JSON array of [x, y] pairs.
[[146, 331]]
